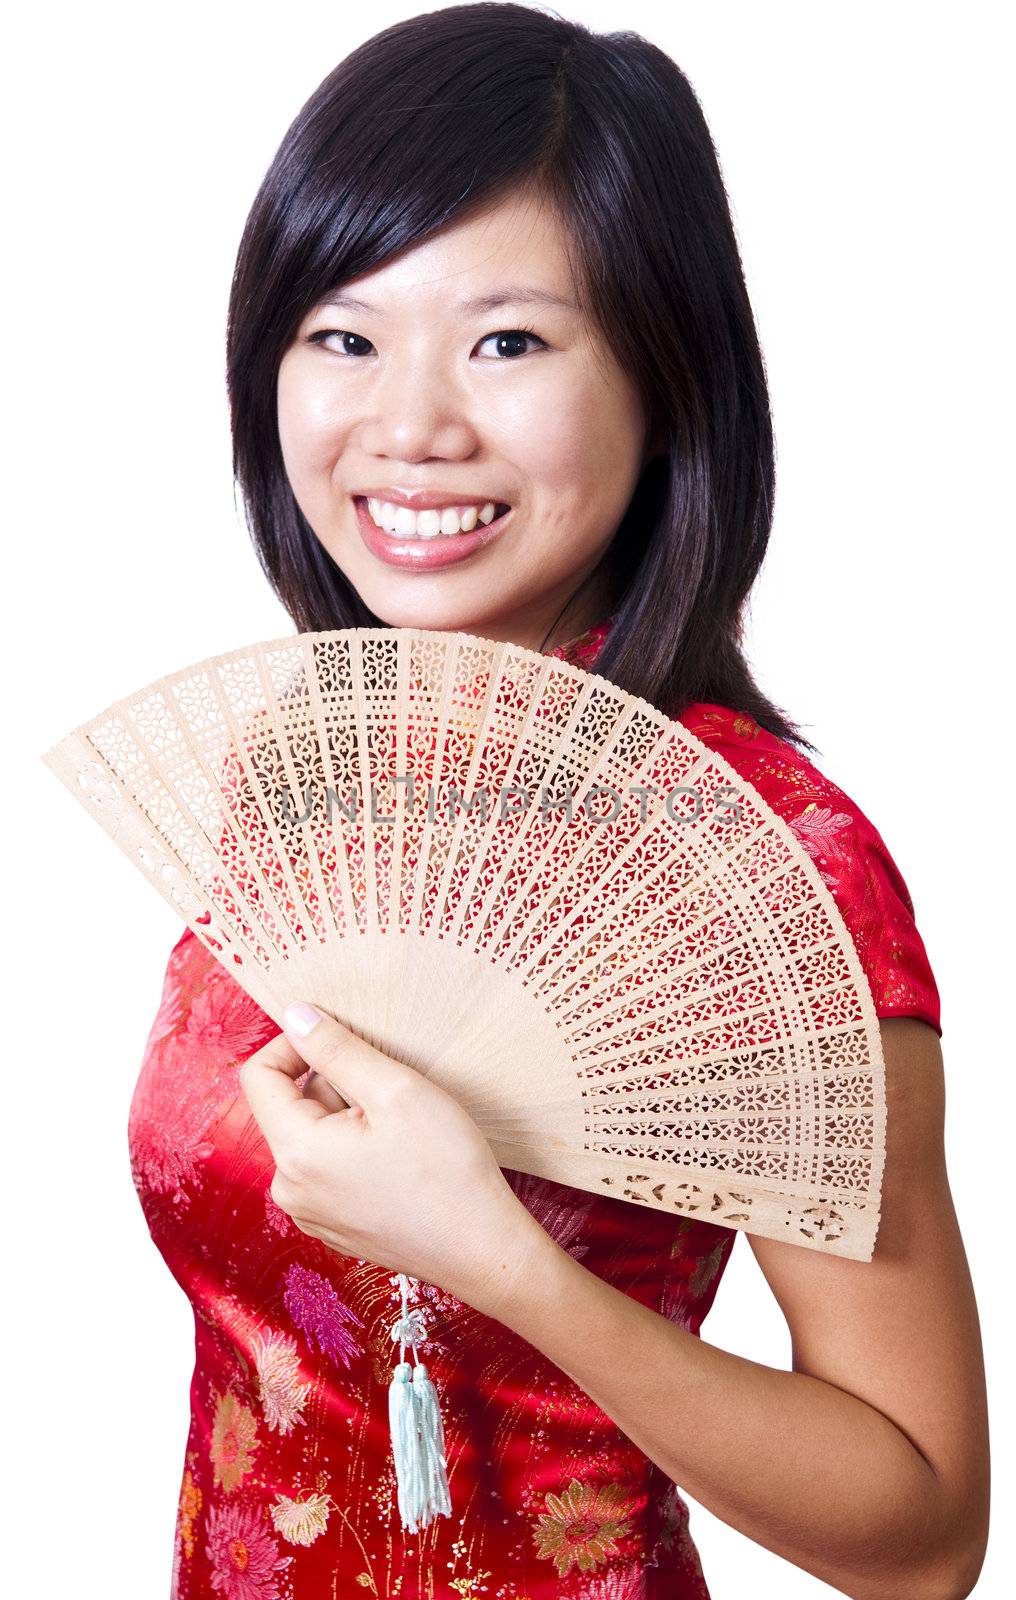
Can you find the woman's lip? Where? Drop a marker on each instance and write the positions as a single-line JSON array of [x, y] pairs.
[[424, 555]]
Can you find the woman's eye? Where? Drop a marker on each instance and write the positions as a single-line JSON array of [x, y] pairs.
[[511, 337], [508, 342], [338, 333]]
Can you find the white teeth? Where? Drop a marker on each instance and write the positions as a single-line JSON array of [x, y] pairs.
[[429, 524]]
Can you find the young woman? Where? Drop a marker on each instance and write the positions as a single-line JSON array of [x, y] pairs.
[[493, 368]]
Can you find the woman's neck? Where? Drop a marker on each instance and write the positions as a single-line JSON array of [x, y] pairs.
[[547, 627]]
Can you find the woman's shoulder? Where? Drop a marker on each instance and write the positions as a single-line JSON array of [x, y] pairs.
[[849, 852], [202, 1005]]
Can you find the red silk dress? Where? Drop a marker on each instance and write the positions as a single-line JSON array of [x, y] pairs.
[[288, 1489]]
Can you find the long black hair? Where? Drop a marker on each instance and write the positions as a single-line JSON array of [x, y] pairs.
[[443, 113]]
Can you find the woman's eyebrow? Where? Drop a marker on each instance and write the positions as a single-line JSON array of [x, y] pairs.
[[511, 295]]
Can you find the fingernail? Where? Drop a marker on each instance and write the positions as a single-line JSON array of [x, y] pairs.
[[301, 1018]]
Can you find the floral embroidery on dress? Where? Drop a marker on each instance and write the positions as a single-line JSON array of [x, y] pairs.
[[243, 1555], [301, 1521], [281, 1392], [233, 1442], [317, 1310], [190, 1505], [580, 1526], [288, 1491], [560, 1211], [818, 828]]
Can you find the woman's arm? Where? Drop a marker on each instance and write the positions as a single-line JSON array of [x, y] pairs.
[[867, 1464]]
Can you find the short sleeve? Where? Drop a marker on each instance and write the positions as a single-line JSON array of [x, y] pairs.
[[876, 906], [850, 854]]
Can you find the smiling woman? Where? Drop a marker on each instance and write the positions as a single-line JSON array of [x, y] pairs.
[[493, 368], [493, 259], [418, 401]]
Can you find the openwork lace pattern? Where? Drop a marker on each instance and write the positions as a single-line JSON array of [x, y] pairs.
[[499, 867]]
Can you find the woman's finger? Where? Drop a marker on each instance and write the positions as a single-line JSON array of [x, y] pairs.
[[321, 1090], [277, 1105]]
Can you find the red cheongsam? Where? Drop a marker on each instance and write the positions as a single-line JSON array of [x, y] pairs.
[[288, 1488]]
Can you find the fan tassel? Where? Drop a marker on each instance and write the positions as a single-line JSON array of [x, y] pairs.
[[414, 1417]]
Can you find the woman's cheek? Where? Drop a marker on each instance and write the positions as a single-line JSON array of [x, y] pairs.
[[311, 419], [579, 443]]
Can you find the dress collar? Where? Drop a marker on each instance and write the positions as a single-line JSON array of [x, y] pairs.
[[583, 650]]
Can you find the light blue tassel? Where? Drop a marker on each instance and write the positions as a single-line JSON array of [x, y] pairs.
[[417, 1431], [428, 1413]]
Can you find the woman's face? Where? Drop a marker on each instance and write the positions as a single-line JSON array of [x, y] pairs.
[[414, 396]]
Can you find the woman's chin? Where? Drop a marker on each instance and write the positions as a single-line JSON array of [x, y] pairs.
[[422, 600]]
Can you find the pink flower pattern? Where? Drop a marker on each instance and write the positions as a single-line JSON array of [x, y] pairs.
[[243, 1556], [317, 1310]]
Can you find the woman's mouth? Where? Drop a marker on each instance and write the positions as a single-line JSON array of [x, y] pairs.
[[424, 540]]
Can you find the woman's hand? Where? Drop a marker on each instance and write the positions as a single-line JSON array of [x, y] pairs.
[[383, 1165]]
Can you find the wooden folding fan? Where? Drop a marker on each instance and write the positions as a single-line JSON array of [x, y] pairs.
[[508, 873]]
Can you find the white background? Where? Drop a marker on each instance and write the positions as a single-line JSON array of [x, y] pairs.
[[866, 155]]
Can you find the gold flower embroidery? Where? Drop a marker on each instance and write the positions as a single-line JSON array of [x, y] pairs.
[[190, 1505], [300, 1521], [234, 1437], [580, 1526]]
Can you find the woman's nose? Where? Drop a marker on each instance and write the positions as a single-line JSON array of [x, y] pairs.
[[415, 410]]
